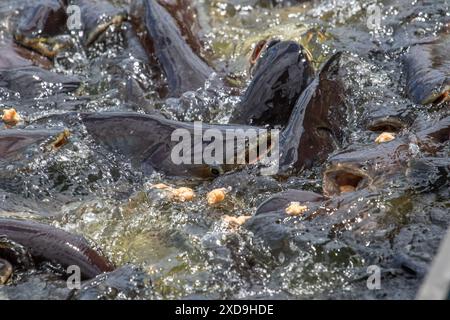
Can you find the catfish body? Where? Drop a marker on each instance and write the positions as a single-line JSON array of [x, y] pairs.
[[48, 243]]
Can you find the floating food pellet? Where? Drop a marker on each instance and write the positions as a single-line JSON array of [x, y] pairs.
[[179, 194], [242, 219], [346, 188], [160, 186], [236, 220], [61, 139], [216, 196], [385, 137], [10, 117], [183, 194], [295, 209]]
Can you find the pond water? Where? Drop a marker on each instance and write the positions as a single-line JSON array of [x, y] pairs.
[[166, 249]]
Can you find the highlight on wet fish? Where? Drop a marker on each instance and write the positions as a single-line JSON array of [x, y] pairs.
[[427, 69], [32, 81], [183, 69], [280, 76], [147, 140], [48, 243], [39, 24], [315, 127], [14, 142], [353, 170], [96, 17]]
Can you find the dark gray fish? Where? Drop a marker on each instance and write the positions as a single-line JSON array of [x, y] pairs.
[[282, 199], [280, 76], [34, 82], [343, 218], [313, 131], [272, 224], [185, 14], [428, 174], [427, 69], [96, 17], [48, 243], [15, 56], [316, 124], [386, 117], [39, 24], [184, 70], [13, 142], [127, 282], [46, 18], [386, 124], [438, 132], [343, 231], [357, 169], [285, 234], [147, 140]]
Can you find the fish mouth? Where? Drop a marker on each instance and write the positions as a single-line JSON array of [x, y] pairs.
[[444, 96], [257, 52], [387, 124], [342, 178], [48, 47], [5, 271], [438, 97], [101, 28]]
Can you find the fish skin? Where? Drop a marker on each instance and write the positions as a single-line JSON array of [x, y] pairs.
[[184, 70], [281, 200], [15, 56], [48, 243], [381, 163], [280, 76], [47, 18], [96, 17], [28, 81], [14, 141], [185, 14], [427, 70], [146, 139], [38, 26], [302, 144], [315, 127]]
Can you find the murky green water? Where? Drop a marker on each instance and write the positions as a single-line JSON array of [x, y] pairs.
[[186, 248]]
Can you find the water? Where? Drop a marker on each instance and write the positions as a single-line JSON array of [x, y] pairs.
[[186, 249]]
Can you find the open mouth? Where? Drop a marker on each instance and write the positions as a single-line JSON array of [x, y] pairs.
[[48, 47], [444, 97], [343, 178], [102, 27], [386, 125], [256, 54], [438, 96]]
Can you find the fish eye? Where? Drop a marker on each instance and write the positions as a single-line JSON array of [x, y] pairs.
[[216, 170]]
